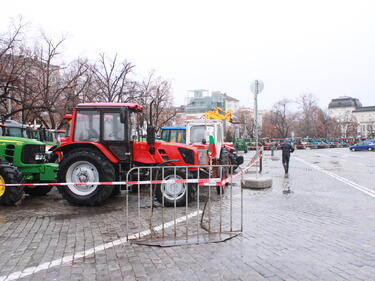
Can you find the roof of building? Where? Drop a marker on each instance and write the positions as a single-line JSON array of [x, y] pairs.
[[345, 102], [228, 98], [223, 95], [365, 108]]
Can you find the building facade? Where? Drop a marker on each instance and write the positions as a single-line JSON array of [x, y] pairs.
[[355, 120], [201, 101]]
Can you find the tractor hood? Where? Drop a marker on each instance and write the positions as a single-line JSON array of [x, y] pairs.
[[20, 140]]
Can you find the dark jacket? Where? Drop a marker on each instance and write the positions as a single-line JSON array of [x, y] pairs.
[[287, 148]]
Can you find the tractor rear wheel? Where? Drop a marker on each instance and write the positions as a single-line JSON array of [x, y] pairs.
[[86, 166], [225, 159], [38, 191], [10, 175], [171, 192]]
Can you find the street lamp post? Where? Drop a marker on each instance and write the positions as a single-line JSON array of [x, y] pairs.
[[256, 87]]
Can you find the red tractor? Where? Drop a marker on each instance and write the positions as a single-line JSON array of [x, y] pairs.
[[105, 142]]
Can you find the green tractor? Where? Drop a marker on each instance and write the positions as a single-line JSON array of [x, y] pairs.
[[240, 144], [23, 160]]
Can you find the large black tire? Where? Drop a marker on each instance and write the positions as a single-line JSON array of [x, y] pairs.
[[10, 175], [116, 190], [90, 160], [183, 189], [224, 159], [38, 191]]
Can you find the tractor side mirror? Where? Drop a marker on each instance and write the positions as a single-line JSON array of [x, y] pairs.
[[151, 135], [141, 120], [123, 113]]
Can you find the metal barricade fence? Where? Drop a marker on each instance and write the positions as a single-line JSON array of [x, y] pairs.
[[206, 205]]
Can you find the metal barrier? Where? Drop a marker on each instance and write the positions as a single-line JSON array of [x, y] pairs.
[[212, 202]]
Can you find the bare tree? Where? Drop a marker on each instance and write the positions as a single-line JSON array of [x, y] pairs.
[[325, 125], [156, 91], [281, 118], [244, 121], [111, 80], [11, 66], [57, 87], [309, 111]]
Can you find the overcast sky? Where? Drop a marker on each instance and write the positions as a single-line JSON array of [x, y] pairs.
[[323, 47]]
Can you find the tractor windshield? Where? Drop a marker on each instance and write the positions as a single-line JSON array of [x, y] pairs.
[[200, 132], [16, 132], [174, 135]]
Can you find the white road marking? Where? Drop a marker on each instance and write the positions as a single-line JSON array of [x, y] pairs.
[[43, 266], [365, 190]]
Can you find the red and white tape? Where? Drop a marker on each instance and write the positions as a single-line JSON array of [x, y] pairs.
[[214, 181], [206, 181], [252, 162]]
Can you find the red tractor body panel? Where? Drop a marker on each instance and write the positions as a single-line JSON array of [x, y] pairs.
[[163, 152]]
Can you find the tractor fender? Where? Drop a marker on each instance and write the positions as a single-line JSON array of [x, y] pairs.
[[165, 163], [230, 148], [97, 146]]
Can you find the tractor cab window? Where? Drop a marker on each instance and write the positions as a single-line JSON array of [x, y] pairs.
[[200, 132], [87, 127], [113, 129], [16, 132], [177, 136], [165, 135], [49, 136]]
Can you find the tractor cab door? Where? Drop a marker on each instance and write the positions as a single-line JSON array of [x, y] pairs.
[[112, 134]]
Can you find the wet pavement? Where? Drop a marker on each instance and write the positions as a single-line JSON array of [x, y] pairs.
[[317, 224]]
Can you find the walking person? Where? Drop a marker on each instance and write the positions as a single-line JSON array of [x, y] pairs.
[[287, 148]]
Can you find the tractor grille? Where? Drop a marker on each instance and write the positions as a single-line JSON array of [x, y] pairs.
[[29, 151], [202, 154], [9, 153], [187, 155]]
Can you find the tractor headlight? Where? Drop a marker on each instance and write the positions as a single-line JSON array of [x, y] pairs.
[[39, 157], [202, 154]]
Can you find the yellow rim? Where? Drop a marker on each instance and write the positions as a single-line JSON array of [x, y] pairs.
[[2, 187]]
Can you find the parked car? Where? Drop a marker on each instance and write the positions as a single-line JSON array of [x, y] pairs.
[[363, 145]]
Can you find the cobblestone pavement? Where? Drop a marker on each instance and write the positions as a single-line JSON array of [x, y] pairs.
[[323, 229]]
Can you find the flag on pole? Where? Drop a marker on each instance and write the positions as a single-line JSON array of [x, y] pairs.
[[212, 146]]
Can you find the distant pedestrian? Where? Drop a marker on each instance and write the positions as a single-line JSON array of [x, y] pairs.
[[273, 147], [287, 148]]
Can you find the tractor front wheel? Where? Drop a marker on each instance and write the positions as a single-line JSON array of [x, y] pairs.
[[169, 193], [10, 175], [86, 166]]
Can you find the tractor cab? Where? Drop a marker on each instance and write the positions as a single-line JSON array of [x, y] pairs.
[[198, 133], [173, 134], [11, 128]]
